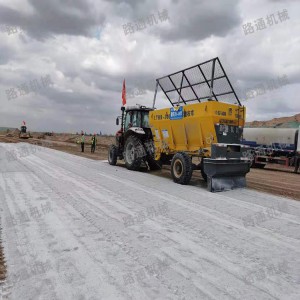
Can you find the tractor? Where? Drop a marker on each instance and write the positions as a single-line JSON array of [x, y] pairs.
[[24, 134], [134, 141]]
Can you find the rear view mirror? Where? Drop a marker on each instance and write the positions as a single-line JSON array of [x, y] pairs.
[[117, 121]]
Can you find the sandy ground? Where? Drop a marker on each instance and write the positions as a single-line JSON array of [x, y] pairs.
[[76, 228], [273, 179]]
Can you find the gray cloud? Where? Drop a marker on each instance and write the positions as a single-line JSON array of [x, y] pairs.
[[200, 20], [48, 18]]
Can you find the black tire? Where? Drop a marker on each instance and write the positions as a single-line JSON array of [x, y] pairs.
[[258, 166], [132, 156], [203, 174], [150, 150], [181, 168], [113, 155]]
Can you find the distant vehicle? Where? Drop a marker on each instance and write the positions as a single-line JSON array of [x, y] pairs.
[[23, 133], [272, 145], [49, 133]]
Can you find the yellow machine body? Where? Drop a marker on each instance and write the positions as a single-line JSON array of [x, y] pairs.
[[192, 128], [201, 122]]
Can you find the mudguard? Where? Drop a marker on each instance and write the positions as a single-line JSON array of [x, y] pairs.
[[137, 130]]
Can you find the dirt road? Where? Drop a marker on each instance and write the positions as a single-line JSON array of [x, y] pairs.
[[75, 228], [273, 179], [282, 182], [286, 184]]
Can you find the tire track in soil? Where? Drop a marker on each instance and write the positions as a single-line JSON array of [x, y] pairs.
[[27, 256], [134, 257], [260, 182], [287, 187], [90, 185], [176, 220], [262, 228], [90, 217], [67, 270], [255, 177], [88, 182], [94, 219], [11, 245]]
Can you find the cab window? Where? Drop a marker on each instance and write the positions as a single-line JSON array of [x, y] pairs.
[[136, 119], [128, 120], [145, 120]]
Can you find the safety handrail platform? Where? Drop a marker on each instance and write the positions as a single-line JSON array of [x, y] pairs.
[[203, 82]]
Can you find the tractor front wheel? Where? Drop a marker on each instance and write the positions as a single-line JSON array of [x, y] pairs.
[[181, 168], [132, 153], [112, 155]]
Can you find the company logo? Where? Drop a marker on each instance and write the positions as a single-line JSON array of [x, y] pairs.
[[176, 113]]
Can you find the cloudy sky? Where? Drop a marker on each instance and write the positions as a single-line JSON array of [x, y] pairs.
[[62, 62]]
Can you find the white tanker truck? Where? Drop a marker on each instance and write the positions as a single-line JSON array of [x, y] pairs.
[[273, 145]]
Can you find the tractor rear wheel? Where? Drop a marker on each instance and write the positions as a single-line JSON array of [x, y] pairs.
[[181, 168], [112, 155], [132, 149]]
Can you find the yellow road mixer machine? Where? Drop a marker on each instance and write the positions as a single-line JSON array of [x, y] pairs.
[[201, 130]]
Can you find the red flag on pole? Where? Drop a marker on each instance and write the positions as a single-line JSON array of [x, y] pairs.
[[124, 93]]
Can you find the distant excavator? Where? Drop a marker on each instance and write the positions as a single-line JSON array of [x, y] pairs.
[[23, 133]]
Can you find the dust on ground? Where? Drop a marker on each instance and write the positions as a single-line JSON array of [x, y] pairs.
[[273, 179]]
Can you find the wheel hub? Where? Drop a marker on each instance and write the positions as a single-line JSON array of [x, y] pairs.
[[178, 168], [129, 153]]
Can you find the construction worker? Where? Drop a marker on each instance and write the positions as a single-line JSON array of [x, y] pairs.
[[82, 141], [94, 143]]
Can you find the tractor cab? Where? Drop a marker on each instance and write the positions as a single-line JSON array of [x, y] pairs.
[[23, 129], [134, 117]]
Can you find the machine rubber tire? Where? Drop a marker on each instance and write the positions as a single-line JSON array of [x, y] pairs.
[[203, 174], [258, 166], [152, 163], [131, 157], [113, 155], [181, 168]]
